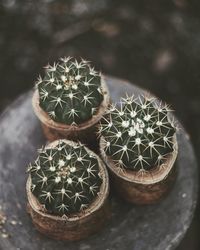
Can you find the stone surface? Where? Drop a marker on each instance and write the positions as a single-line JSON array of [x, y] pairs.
[[157, 227]]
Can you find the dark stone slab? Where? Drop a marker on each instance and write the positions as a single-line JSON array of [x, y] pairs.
[[160, 226]]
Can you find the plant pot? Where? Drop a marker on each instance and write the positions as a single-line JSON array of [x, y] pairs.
[[72, 227], [143, 187], [85, 132]]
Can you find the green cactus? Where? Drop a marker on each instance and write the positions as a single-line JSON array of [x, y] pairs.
[[138, 135], [66, 178], [70, 91]]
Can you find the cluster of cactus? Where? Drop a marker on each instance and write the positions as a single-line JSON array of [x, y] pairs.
[[137, 135], [70, 91], [65, 179]]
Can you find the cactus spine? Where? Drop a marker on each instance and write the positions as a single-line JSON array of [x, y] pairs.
[[65, 179], [70, 91], [137, 135]]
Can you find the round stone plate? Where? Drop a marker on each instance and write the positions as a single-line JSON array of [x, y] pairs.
[[160, 226]]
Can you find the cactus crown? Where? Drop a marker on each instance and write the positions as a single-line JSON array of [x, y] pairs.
[[66, 178], [139, 134], [70, 91]]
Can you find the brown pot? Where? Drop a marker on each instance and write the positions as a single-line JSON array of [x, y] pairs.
[[143, 187], [74, 227], [84, 132]]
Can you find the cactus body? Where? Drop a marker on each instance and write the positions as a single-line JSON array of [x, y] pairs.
[[138, 135], [65, 179], [70, 92]]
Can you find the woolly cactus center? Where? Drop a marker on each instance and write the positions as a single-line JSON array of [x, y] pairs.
[[134, 125], [137, 126], [69, 81], [64, 172]]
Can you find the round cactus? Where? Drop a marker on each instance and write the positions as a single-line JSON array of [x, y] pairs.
[[65, 178], [138, 135], [70, 91]]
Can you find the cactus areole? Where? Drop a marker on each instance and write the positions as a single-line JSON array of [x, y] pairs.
[[70, 91]]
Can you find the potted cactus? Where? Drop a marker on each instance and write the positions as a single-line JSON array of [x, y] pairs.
[[67, 191], [70, 100], [138, 143]]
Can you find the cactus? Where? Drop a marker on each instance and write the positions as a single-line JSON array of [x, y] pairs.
[[137, 135], [66, 178], [70, 91]]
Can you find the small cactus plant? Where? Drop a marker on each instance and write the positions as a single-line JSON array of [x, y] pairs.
[[139, 134], [66, 178], [70, 91]]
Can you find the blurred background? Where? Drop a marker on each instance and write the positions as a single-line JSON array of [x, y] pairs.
[[154, 44]]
